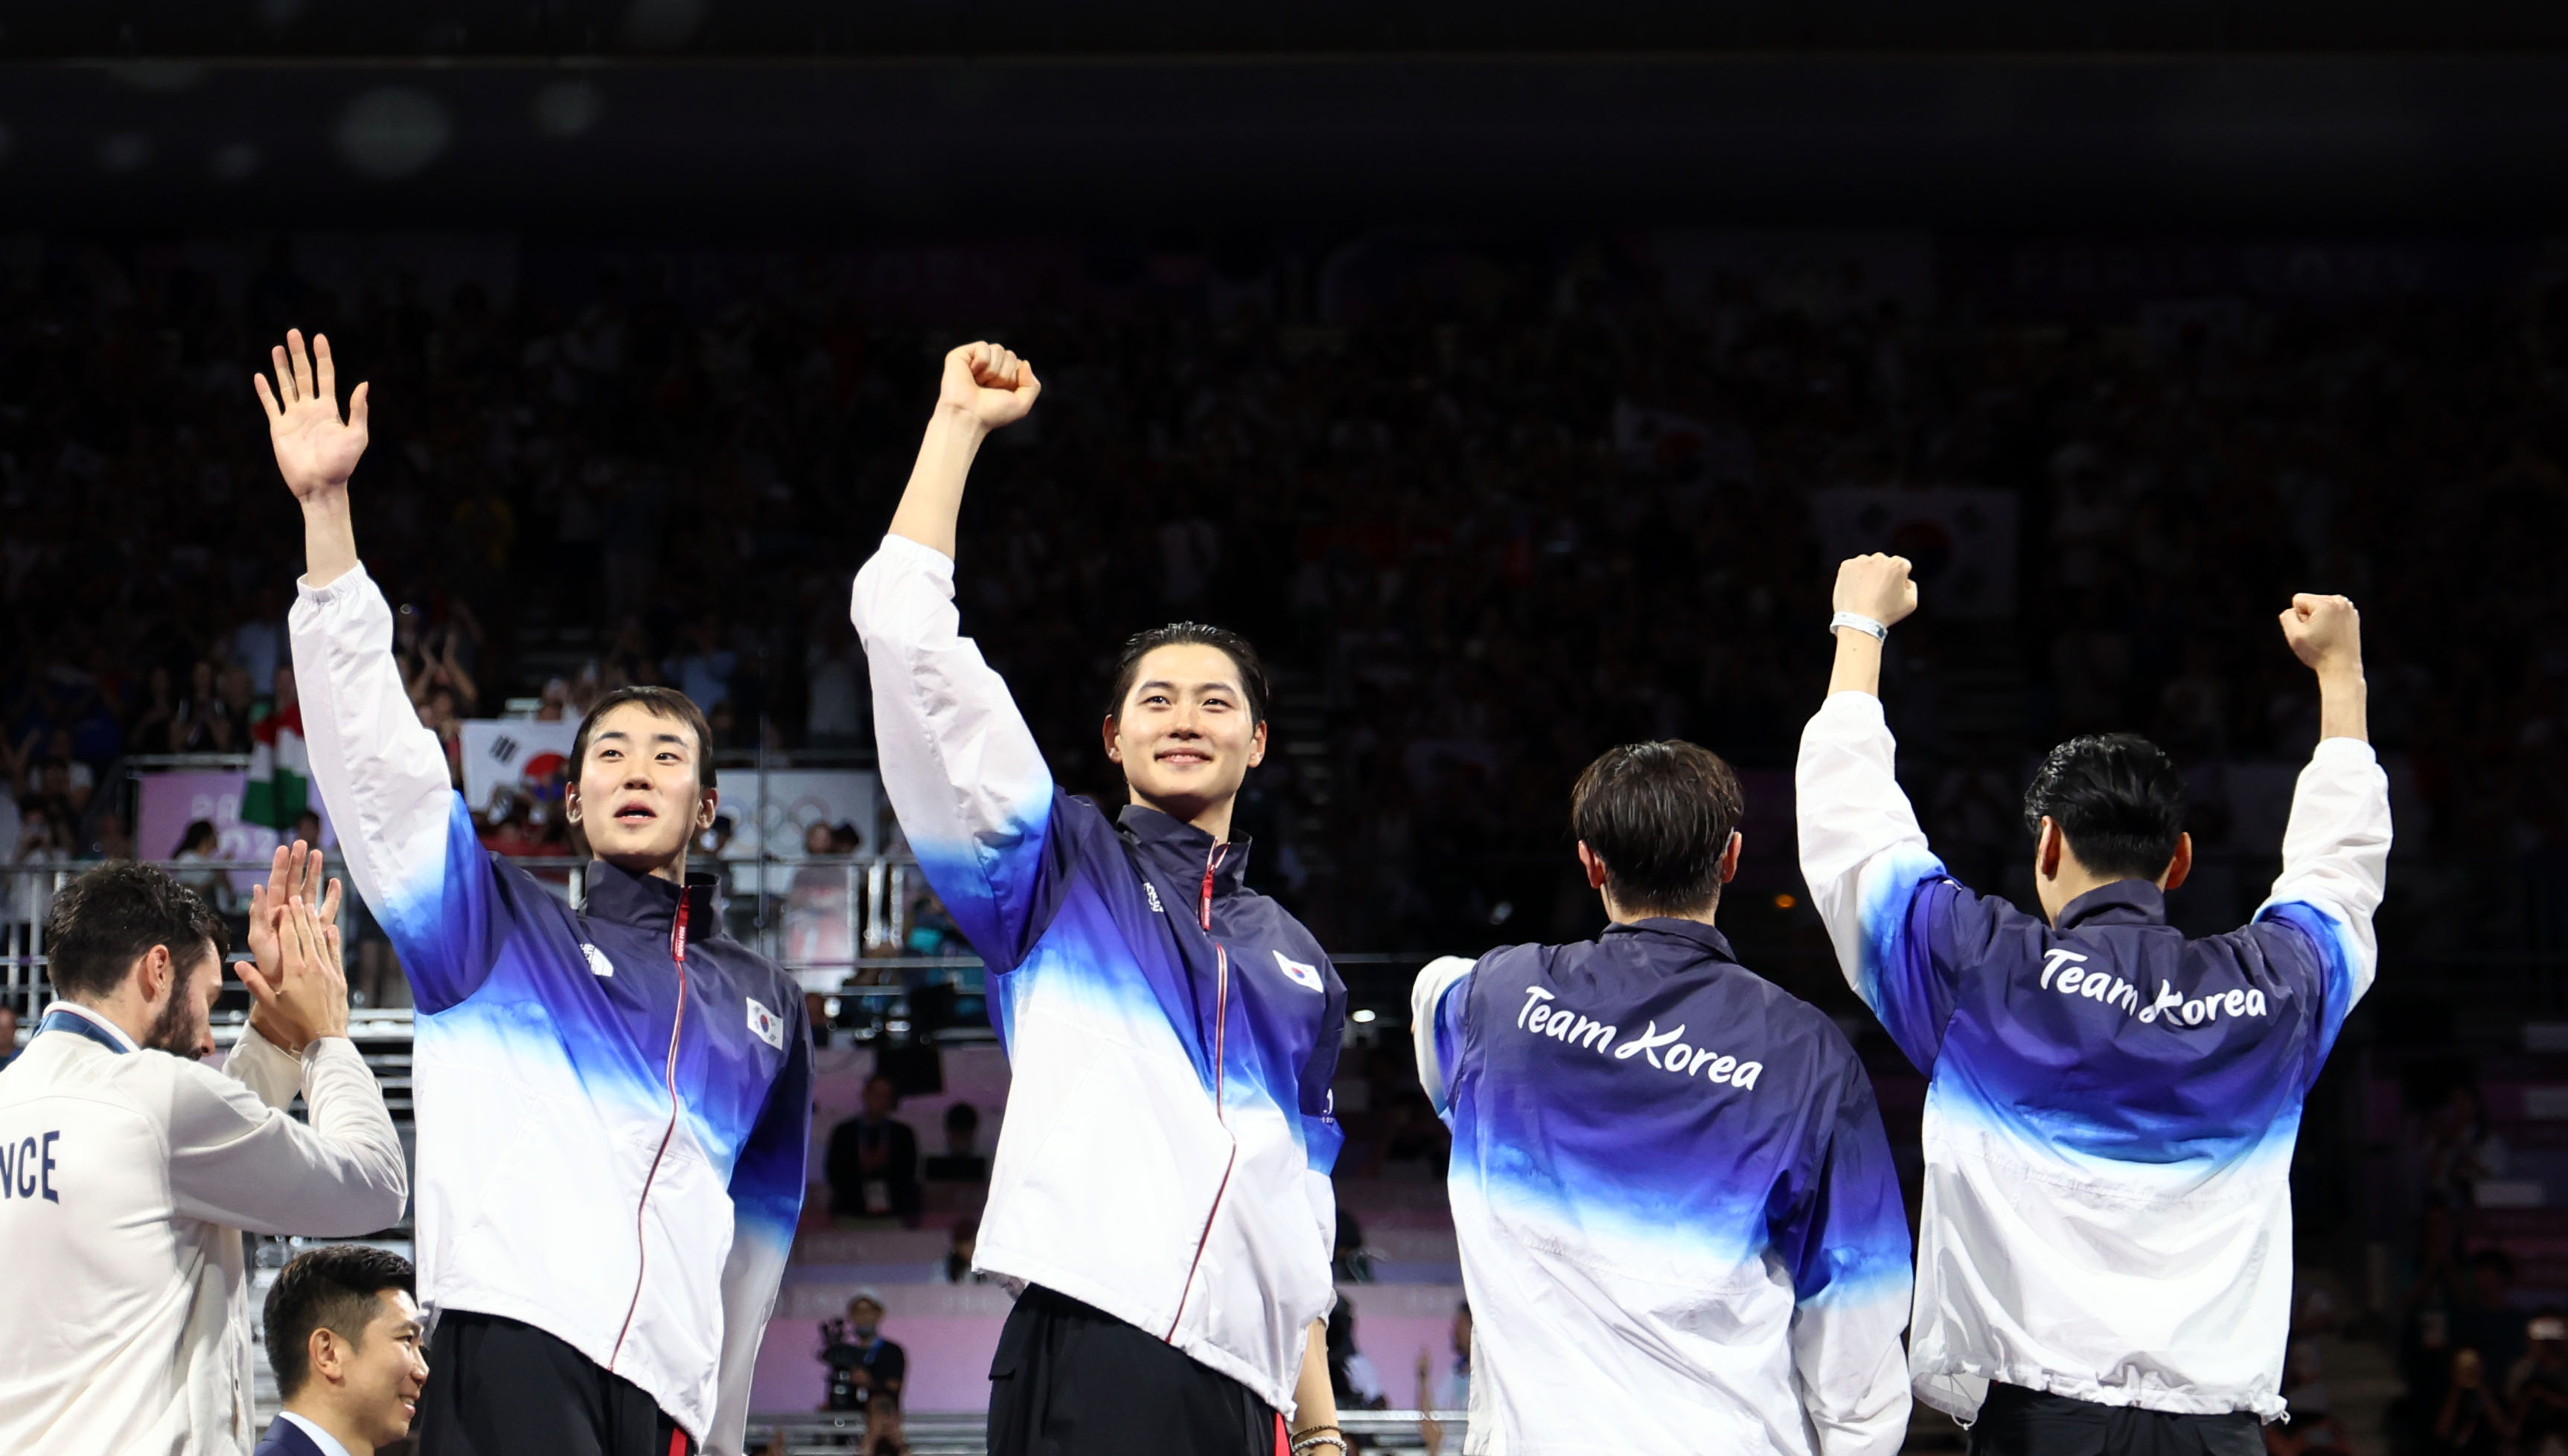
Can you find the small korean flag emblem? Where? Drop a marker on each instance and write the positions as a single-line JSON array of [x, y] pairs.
[[765, 1025], [597, 962], [1305, 976]]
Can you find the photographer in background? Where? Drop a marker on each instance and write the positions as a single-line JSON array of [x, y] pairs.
[[866, 1371]]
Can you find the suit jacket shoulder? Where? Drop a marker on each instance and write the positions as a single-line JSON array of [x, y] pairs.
[[285, 1438]]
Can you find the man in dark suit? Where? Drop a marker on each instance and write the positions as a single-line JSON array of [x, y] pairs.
[[345, 1337], [873, 1160]]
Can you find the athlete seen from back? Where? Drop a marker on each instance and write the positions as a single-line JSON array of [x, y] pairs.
[[1681, 1228], [2104, 1248]]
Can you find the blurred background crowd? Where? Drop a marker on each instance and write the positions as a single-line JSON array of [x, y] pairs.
[[1488, 510]]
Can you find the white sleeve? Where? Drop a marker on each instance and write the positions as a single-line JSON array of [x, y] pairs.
[[381, 772], [269, 1071], [410, 843], [1865, 1408], [957, 760], [1859, 838], [236, 1160], [1436, 1024], [2335, 849], [753, 1276]]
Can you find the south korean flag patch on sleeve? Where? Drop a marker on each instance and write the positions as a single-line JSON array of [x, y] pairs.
[[766, 1025], [1305, 976]]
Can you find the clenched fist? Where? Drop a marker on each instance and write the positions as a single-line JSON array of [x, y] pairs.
[[1876, 585], [989, 384], [2325, 632]]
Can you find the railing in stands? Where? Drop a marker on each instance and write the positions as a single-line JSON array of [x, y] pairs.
[[846, 926]]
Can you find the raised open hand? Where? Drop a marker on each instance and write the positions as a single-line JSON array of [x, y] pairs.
[[283, 998], [315, 449], [990, 384]]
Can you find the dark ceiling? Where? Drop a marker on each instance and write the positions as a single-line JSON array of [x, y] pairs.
[[490, 29], [686, 115]]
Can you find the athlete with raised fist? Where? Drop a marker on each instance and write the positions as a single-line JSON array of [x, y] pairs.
[[1160, 1196], [2104, 1251]]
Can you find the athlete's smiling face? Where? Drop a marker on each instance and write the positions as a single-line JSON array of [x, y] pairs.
[[638, 798], [1183, 733]]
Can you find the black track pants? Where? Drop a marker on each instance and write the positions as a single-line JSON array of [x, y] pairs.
[[2020, 1422], [497, 1387], [1072, 1381]]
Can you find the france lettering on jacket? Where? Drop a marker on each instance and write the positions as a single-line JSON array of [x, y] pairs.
[[27, 1166], [1695, 1269]]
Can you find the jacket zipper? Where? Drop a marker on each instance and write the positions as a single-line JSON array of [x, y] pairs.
[[641, 1206], [1220, 1035]]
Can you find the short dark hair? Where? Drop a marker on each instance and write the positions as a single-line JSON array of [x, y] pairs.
[[1660, 815], [111, 917], [2119, 802], [335, 1289], [962, 1115], [665, 702], [1252, 669]]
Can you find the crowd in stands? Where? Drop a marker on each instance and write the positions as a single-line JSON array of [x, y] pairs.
[[1411, 474]]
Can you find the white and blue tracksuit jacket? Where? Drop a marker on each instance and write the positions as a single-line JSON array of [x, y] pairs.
[[2111, 1109], [611, 1140], [1681, 1228], [1171, 1034]]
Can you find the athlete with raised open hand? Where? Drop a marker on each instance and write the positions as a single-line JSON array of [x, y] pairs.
[[1161, 1195], [614, 1097], [2104, 1251]]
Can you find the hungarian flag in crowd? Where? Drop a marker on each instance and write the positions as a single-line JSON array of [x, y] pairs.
[[280, 772]]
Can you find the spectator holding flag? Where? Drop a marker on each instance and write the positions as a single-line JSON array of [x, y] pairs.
[[281, 770]]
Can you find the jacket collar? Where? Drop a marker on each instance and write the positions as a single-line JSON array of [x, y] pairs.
[[1709, 940], [1182, 850], [80, 1020], [649, 903], [2123, 903]]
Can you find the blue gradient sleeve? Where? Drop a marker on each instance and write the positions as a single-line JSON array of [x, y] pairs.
[[411, 844], [769, 1178], [1847, 1236], [1913, 912], [2334, 954], [1003, 886], [444, 918], [1436, 1003], [957, 761], [766, 1183], [1321, 1135]]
